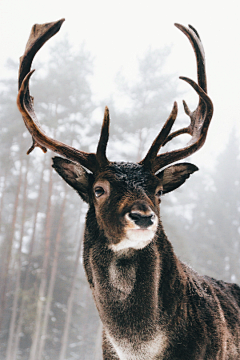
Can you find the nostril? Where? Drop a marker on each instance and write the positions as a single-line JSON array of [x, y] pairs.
[[142, 220], [135, 216]]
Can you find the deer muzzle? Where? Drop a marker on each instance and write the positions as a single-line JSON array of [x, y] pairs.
[[142, 217], [140, 227]]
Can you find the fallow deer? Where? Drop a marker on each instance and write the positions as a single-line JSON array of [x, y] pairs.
[[152, 306]]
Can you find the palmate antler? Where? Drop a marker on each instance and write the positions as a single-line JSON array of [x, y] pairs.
[[198, 127], [200, 118]]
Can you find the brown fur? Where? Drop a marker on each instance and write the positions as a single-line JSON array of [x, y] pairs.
[[152, 305]]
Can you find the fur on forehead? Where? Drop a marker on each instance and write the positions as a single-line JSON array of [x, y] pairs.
[[131, 174]]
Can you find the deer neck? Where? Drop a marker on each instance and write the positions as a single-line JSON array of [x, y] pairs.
[[134, 287]]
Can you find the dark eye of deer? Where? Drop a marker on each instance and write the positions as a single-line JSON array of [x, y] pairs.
[[98, 191], [159, 194]]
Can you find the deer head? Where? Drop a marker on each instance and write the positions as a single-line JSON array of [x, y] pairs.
[[124, 197]]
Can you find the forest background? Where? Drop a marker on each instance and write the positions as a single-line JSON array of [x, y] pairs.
[[46, 308]]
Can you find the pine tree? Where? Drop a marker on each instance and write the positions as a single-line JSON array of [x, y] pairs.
[[63, 104], [215, 229], [224, 223], [149, 101]]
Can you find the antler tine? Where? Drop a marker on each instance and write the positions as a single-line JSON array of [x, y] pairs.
[[102, 144], [195, 41], [39, 35], [160, 139], [41, 140], [200, 118]]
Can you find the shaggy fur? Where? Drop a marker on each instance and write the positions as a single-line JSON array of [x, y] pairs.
[[152, 305]]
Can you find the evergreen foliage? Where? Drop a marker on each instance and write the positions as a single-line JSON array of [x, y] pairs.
[[37, 211]]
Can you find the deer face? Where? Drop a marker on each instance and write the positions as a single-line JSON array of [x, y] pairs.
[[125, 198]]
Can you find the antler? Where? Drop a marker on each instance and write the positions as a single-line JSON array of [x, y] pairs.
[[200, 118], [39, 35]]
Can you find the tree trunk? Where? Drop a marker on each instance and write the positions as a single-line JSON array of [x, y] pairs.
[[52, 281], [18, 277], [25, 285], [43, 283], [64, 340], [98, 344], [3, 193], [4, 275], [139, 151]]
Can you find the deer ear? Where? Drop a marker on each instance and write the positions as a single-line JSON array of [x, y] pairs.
[[175, 175], [74, 174]]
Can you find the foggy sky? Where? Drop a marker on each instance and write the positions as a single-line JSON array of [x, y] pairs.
[[118, 32]]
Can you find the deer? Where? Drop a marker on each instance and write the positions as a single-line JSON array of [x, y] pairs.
[[151, 304]]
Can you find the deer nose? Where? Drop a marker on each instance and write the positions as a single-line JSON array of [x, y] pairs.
[[142, 220]]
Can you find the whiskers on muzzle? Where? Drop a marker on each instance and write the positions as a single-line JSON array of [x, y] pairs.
[[140, 229]]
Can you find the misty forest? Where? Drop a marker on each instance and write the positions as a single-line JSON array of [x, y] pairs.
[[46, 307]]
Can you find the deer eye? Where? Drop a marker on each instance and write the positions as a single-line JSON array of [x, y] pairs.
[[159, 193], [98, 191]]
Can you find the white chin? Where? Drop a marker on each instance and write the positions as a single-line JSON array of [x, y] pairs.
[[135, 239]]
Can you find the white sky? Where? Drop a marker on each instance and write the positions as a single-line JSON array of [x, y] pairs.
[[117, 32]]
